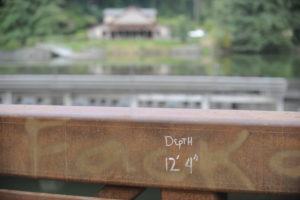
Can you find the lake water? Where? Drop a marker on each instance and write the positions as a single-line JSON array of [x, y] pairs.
[[287, 66]]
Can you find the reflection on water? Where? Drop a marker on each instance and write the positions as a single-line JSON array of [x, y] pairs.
[[231, 65]]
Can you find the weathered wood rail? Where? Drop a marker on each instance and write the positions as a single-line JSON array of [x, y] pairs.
[[173, 149]]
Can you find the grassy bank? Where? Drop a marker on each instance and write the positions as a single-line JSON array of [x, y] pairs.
[[80, 42]]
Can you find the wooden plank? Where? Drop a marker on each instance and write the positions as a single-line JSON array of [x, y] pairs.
[[120, 192], [22, 195], [237, 151], [169, 194]]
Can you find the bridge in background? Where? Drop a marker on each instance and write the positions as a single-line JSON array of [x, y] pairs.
[[252, 93]]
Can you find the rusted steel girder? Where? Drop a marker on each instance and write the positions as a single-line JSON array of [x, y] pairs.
[[220, 151]]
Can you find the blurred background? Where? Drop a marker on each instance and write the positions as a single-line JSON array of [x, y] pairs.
[[201, 54]]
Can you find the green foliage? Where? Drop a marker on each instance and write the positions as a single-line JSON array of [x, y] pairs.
[[235, 25], [25, 22], [21, 20], [254, 25], [179, 25], [295, 22]]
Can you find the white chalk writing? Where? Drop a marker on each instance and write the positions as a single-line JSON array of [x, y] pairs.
[[170, 163], [169, 140], [173, 162]]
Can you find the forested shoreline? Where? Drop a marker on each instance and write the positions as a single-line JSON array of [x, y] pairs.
[[248, 26]]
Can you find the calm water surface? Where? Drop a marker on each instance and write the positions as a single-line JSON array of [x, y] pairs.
[[287, 66]]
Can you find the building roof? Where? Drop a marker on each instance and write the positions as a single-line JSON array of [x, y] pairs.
[[116, 11]]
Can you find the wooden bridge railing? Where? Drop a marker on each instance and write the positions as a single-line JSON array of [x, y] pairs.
[[190, 154]]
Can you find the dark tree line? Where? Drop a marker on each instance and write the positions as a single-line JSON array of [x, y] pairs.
[[255, 26]]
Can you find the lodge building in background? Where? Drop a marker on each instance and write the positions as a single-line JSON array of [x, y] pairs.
[[131, 22]]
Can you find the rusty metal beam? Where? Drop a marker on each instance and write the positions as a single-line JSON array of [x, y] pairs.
[[167, 194], [120, 192], [22, 195], [220, 151]]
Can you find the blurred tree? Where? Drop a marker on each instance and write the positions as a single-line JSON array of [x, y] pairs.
[[256, 26], [242, 26], [21, 20], [295, 22], [196, 10], [180, 26]]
